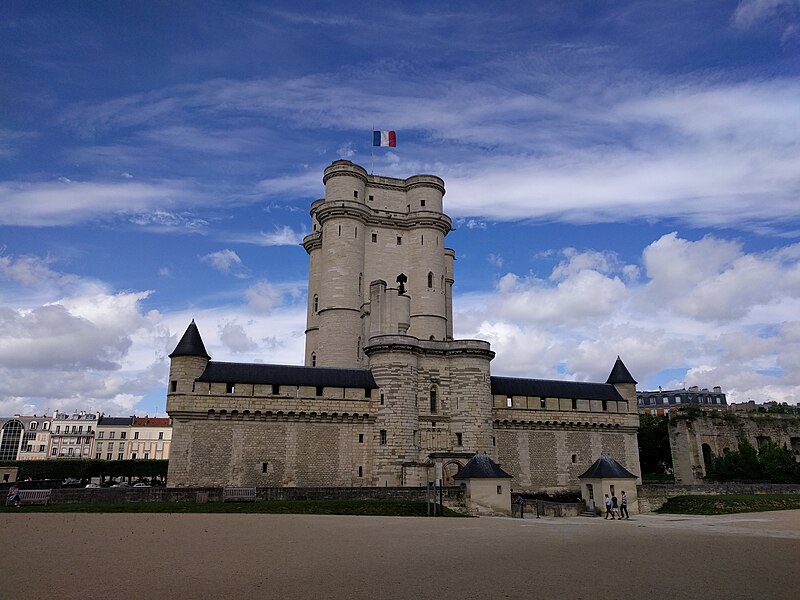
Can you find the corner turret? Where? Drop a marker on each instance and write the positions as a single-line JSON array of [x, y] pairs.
[[191, 344], [188, 361], [624, 383]]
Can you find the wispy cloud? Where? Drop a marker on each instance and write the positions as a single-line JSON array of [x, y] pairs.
[[750, 12], [711, 153], [69, 202], [280, 236]]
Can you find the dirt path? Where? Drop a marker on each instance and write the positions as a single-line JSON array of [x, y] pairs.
[[198, 556]]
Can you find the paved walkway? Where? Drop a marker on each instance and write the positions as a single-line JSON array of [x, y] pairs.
[[195, 556]]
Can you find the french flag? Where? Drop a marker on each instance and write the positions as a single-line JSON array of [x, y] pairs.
[[384, 138]]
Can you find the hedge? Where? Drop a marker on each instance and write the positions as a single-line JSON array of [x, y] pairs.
[[87, 468]]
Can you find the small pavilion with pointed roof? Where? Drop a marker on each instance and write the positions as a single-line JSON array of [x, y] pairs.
[[488, 489], [607, 476]]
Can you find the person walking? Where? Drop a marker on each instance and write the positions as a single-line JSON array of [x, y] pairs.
[[608, 508], [615, 507], [521, 504], [623, 506], [13, 497]]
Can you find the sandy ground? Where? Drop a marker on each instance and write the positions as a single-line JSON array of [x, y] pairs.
[[311, 557]]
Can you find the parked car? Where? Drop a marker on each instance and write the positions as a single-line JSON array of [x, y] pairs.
[[140, 484], [92, 485], [121, 484]]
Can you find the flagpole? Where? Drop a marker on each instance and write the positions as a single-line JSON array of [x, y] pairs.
[[372, 145]]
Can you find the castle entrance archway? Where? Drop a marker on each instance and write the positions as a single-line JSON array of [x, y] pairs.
[[449, 469]]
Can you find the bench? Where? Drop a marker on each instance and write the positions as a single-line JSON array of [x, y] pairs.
[[239, 494], [32, 497]]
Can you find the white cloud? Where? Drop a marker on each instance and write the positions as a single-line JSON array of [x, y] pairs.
[[727, 316], [225, 261], [72, 344], [235, 339], [263, 296]]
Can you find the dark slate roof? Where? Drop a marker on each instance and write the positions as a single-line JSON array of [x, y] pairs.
[[191, 343], [607, 467], [548, 388], [620, 373], [287, 375], [481, 465], [115, 421]]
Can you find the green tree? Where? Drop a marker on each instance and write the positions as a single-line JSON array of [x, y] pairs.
[[775, 464], [655, 456], [778, 464]]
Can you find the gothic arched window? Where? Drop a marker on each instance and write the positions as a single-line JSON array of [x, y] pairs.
[[316, 303], [430, 280], [433, 399]]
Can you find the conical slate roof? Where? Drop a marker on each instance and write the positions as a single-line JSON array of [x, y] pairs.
[[481, 465], [620, 373], [606, 467], [191, 344]]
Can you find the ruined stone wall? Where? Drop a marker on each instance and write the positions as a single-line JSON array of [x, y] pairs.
[[720, 431]]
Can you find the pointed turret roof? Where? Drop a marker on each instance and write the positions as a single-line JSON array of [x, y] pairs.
[[191, 344], [620, 373], [606, 467], [481, 465]]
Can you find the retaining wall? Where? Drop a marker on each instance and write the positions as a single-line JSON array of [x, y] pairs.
[[654, 496], [453, 497]]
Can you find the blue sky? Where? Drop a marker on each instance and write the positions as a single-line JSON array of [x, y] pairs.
[[624, 178]]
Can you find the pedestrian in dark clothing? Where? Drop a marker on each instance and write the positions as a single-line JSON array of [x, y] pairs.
[[521, 503], [623, 507], [608, 508], [615, 507]]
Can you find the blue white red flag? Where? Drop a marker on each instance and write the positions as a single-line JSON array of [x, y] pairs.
[[384, 138]]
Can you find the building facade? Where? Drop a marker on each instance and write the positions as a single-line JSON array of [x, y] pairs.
[[24, 437], [661, 401], [149, 438], [387, 396], [73, 435], [112, 438]]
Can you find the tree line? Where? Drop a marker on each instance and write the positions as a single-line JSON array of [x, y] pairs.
[[85, 469]]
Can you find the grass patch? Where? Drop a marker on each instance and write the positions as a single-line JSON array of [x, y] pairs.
[[394, 508], [728, 504]]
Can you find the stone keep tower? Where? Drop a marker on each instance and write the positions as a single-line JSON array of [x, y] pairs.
[[380, 296], [370, 228]]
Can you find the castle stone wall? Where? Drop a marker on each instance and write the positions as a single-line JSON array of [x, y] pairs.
[[547, 450]]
